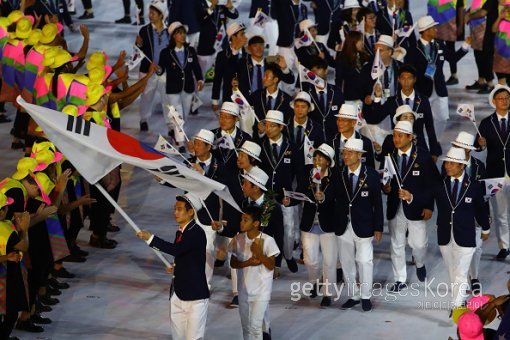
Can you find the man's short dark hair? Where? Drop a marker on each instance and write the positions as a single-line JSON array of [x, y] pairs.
[[408, 69], [362, 13], [275, 69], [319, 63], [254, 212], [498, 91], [186, 203], [256, 40]]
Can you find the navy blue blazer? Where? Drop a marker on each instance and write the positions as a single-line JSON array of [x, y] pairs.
[[225, 69], [210, 24], [384, 25], [307, 54], [256, 4], [147, 47], [349, 80], [288, 17], [498, 148], [375, 113], [323, 11], [282, 170], [368, 82], [227, 156], [189, 262], [460, 216], [327, 118], [416, 57], [419, 179], [186, 11], [180, 77], [245, 73], [368, 156], [258, 101], [369, 47], [363, 208], [325, 208]]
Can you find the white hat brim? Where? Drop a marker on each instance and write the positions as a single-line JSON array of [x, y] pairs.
[[249, 153], [432, 24], [275, 121], [204, 140], [449, 159], [253, 181], [462, 145], [311, 105], [491, 95]]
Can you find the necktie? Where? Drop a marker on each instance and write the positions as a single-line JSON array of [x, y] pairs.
[[269, 103], [407, 101], [178, 236], [322, 101], [403, 165], [395, 20], [503, 128], [202, 165], [275, 151], [259, 77], [455, 190], [351, 184], [180, 57], [299, 135], [371, 39], [386, 79]]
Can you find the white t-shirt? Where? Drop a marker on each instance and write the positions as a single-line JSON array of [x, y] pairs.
[[256, 282]]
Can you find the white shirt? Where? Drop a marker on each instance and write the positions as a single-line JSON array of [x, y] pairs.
[[296, 124], [273, 96], [411, 96], [501, 117], [258, 201], [255, 63], [232, 134], [355, 172], [278, 142], [408, 153], [255, 282], [179, 49], [425, 42]]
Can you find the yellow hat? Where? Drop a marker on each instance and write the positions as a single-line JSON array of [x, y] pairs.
[[49, 32], [71, 110], [5, 201], [14, 16], [4, 22], [23, 28], [49, 56], [46, 145], [94, 93], [457, 313], [25, 166], [45, 158], [62, 58], [45, 186], [34, 37], [96, 59], [97, 75]]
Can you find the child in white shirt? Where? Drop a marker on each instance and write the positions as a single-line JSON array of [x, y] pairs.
[[253, 254]]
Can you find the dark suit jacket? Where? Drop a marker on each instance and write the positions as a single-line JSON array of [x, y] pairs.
[[307, 54], [225, 69], [258, 101], [460, 216], [420, 178], [180, 77], [189, 259], [245, 72], [323, 11], [327, 118], [227, 156], [375, 113], [368, 156], [349, 80], [45, 7], [210, 25], [186, 11], [384, 26], [288, 23], [146, 33], [363, 208], [498, 148], [416, 57], [256, 4]]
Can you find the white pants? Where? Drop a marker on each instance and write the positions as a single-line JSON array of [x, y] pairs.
[[252, 315], [440, 112], [206, 62], [155, 84], [222, 244], [500, 207], [457, 260], [477, 255], [210, 253], [182, 103], [290, 219], [417, 241], [313, 246], [188, 318], [356, 251], [269, 32], [193, 39]]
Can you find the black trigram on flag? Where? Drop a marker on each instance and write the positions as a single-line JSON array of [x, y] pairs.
[[170, 170], [78, 125]]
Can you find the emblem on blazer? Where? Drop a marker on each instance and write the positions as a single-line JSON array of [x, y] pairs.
[[286, 160], [416, 165], [419, 115], [468, 200], [334, 107], [416, 173], [364, 194], [288, 153]]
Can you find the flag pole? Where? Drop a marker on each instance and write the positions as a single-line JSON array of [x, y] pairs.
[[129, 220], [299, 74]]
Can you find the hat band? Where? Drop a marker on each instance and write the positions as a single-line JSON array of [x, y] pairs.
[[249, 153], [456, 160], [259, 183], [343, 115], [465, 144], [204, 140], [404, 131]]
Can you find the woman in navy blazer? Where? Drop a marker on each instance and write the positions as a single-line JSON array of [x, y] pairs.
[[180, 64]]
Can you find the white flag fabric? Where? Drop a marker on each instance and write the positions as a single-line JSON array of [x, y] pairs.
[[162, 145], [405, 32], [316, 175], [297, 196], [305, 40], [308, 150], [135, 58], [361, 120], [95, 151], [220, 36], [225, 142], [176, 117], [248, 116], [389, 170], [377, 66], [260, 19], [467, 111], [493, 186], [361, 26], [305, 75], [196, 102]]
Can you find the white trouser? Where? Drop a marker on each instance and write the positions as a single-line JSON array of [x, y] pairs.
[[222, 243], [252, 315], [210, 253], [477, 255], [206, 62], [188, 318], [417, 241], [356, 251], [440, 112], [269, 32], [155, 84], [182, 104], [291, 60], [193, 39], [457, 260], [290, 218], [297, 231], [313, 246], [500, 207]]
